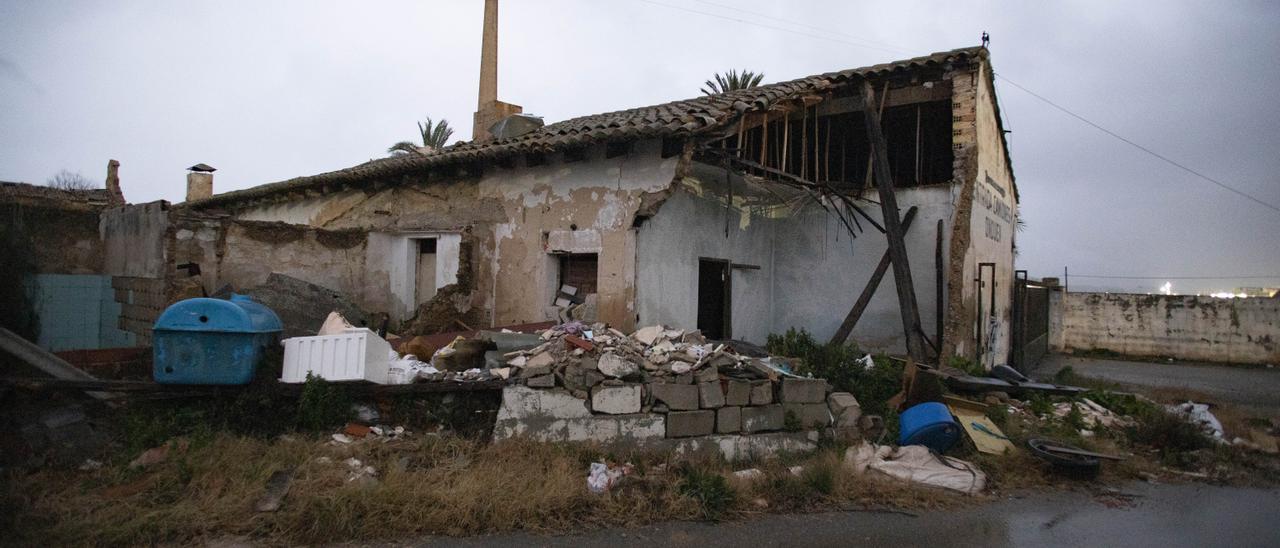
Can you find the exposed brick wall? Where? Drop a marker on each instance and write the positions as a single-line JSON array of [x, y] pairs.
[[141, 302]]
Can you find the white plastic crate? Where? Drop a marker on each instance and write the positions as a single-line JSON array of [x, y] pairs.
[[355, 354]]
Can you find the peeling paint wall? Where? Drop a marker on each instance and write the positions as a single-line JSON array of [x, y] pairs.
[[597, 195], [1185, 327], [985, 221], [686, 228], [133, 236], [811, 270], [820, 270]]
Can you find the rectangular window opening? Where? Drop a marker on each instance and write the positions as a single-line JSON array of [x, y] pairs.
[[579, 271]]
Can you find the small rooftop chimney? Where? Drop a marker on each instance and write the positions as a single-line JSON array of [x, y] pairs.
[[200, 182], [489, 109], [113, 182]]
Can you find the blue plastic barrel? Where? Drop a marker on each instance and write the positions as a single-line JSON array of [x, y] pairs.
[[928, 424], [212, 341]]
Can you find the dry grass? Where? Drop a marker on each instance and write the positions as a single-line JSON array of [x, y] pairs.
[[428, 485]]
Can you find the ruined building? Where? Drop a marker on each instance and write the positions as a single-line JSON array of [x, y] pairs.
[[743, 214]]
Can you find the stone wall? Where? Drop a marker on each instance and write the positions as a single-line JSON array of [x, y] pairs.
[[1245, 330], [664, 389]]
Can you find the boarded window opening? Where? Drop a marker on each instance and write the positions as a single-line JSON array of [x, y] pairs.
[[579, 270]]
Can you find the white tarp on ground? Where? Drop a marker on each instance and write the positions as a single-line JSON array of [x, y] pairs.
[[916, 464]]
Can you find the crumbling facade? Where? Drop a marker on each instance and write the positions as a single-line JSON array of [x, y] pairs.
[[741, 214]]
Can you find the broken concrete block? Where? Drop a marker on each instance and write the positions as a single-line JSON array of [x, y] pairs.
[[844, 434], [677, 397], [728, 420], [541, 381], [737, 393], [803, 391], [763, 418], [710, 395], [761, 393], [685, 378], [649, 334], [871, 426], [845, 410], [683, 424], [707, 374], [616, 400], [544, 359], [616, 366], [811, 415]]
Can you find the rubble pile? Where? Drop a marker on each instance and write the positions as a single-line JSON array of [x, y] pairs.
[[701, 387]]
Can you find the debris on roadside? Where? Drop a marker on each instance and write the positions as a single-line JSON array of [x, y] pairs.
[[916, 464], [1067, 460], [602, 477], [361, 474], [276, 489], [929, 424], [1199, 415]]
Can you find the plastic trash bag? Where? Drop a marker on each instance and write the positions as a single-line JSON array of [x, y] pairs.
[[603, 477], [916, 464]]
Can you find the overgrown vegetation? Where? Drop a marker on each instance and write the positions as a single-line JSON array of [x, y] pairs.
[[839, 364], [426, 484], [322, 404], [711, 490]]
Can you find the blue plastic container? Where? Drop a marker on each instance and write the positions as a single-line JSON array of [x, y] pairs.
[[928, 424], [212, 341]]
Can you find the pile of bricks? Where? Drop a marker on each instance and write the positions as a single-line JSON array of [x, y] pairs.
[[698, 388]]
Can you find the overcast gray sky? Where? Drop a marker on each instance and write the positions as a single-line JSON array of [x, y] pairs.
[[265, 91]]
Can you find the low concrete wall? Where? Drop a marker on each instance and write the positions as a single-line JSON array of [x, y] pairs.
[[1176, 326], [78, 312]]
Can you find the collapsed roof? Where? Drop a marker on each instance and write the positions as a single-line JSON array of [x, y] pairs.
[[687, 118]]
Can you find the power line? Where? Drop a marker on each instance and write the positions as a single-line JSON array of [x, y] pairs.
[[801, 24], [1140, 147], [1002, 77], [1106, 277], [762, 25]]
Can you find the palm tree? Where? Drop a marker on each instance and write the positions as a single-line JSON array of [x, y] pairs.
[[732, 80], [434, 136]]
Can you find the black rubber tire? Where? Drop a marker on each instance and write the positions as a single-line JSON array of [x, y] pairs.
[[1075, 466]]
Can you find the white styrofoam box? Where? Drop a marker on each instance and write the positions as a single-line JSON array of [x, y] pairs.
[[355, 354]]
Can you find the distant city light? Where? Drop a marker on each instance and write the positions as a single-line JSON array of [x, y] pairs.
[[1167, 288]]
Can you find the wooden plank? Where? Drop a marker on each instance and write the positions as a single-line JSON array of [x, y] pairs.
[[864, 299], [939, 308], [44, 360], [987, 437], [893, 227]]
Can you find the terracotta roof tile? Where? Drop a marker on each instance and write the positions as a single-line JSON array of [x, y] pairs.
[[673, 119]]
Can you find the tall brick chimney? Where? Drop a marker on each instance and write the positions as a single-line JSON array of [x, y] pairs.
[[113, 183], [199, 182], [489, 109]]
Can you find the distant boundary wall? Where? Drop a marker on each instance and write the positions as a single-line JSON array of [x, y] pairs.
[[1187, 327]]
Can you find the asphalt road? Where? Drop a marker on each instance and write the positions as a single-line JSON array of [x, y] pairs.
[[1157, 515], [1256, 387]]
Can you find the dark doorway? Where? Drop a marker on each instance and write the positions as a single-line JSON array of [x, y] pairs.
[[1030, 322], [713, 298]]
